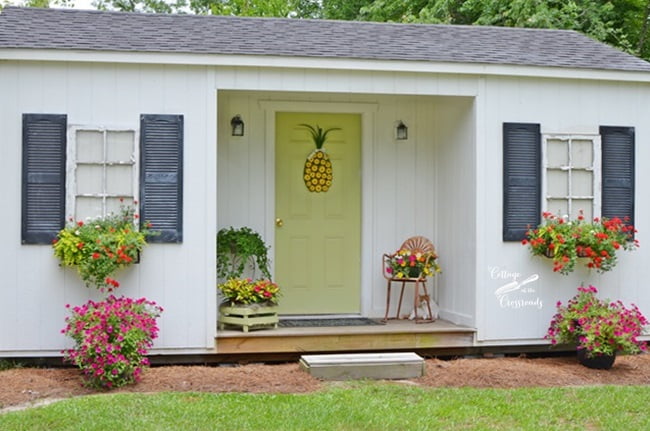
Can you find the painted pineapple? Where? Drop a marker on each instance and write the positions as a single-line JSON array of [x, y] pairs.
[[318, 167]]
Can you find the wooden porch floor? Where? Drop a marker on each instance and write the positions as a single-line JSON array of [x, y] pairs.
[[395, 335]]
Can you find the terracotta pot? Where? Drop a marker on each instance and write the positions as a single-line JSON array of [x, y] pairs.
[[598, 362]]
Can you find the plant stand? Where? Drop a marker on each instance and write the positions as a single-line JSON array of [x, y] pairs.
[[253, 316]]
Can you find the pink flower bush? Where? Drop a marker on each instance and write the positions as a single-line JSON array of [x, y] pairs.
[[598, 326], [112, 338]]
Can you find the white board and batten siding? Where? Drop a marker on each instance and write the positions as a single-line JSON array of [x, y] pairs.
[[34, 289], [560, 107], [444, 182]]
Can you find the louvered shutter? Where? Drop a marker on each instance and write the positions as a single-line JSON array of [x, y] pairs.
[[521, 179], [161, 175], [617, 172], [43, 178]]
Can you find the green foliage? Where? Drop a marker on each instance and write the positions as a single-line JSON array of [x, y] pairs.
[[277, 8], [37, 3], [152, 6], [237, 248], [99, 247], [353, 406], [343, 9], [318, 134], [9, 364]]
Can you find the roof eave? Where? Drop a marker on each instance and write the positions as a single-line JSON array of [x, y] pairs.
[[238, 60]]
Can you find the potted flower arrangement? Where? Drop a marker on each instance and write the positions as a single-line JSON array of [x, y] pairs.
[[246, 291], [599, 328], [111, 337], [409, 264], [565, 241], [99, 247], [249, 303], [246, 303]]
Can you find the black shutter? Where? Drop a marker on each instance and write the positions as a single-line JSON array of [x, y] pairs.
[[618, 172], [43, 181], [161, 175], [521, 179]]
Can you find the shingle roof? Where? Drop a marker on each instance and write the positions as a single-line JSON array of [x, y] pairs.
[[137, 32]]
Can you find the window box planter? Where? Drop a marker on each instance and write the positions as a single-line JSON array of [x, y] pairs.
[[251, 316]]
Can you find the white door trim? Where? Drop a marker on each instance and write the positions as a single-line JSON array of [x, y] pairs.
[[367, 111]]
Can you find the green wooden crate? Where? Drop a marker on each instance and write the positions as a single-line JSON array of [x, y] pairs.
[[253, 316]]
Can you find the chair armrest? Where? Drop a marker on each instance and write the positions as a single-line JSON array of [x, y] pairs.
[[384, 260]]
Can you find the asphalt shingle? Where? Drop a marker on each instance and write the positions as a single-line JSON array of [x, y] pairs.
[[136, 32]]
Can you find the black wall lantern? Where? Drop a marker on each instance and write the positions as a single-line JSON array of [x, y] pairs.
[[401, 132], [237, 125]]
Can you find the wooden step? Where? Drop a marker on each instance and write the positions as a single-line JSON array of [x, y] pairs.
[[396, 335], [406, 365]]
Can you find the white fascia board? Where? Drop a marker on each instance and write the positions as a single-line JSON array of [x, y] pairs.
[[320, 63]]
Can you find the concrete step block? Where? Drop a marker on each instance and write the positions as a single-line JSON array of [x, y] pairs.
[[356, 366]]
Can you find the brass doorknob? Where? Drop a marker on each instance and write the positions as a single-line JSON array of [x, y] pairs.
[[279, 222]]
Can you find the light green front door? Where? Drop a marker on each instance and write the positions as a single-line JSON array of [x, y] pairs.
[[318, 235]]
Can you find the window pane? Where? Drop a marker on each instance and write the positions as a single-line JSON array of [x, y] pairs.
[[119, 180], [119, 146], [582, 182], [90, 147], [558, 206], [88, 208], [557, 153], [89, 179], [586, 205], [582, 153], [558, 183], [113, 204]]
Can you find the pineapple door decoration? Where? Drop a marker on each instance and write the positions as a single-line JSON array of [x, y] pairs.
[[318, 167]]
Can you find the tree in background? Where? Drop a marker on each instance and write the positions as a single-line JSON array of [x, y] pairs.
[[622, 23]]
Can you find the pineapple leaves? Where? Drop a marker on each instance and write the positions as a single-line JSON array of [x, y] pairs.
[[318, 134]]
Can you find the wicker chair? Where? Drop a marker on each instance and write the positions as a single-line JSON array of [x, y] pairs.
[[414, 244]]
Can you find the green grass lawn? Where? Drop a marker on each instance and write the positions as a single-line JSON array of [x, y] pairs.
[[353, 406]]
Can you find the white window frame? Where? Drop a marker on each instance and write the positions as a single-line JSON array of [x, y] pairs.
[[71, 166], [595, 169]]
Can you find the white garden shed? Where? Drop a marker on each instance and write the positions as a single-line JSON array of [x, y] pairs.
[[485, 108]]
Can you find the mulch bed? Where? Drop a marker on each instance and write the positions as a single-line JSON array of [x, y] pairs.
[[25, 386]]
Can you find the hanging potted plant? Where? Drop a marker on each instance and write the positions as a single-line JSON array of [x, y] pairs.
[[564, 241], [239, 250], [246, 303], [99, 247], [600, 329]]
